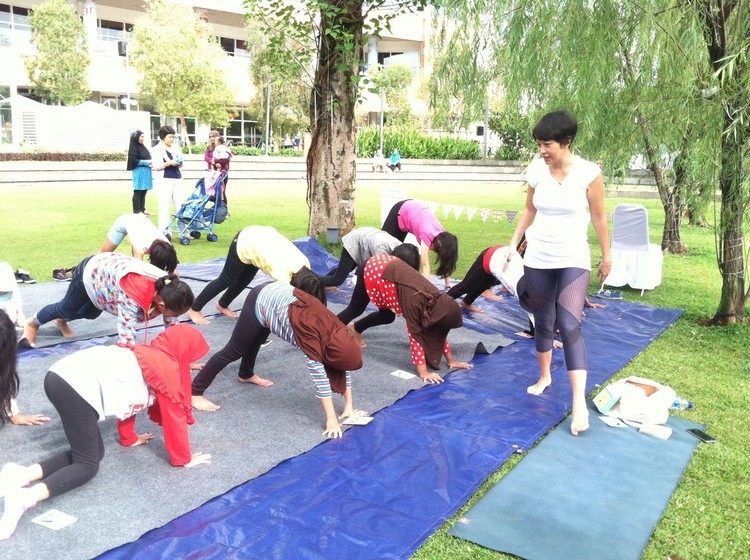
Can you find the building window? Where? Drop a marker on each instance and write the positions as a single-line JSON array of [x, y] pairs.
[[383, 55], [111, 30], [243, 130], [14, 23], [234, 47]]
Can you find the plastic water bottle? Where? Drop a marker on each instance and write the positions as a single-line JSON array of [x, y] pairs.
[[681, 404]]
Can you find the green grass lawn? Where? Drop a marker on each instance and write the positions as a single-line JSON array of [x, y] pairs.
[[46, 227]]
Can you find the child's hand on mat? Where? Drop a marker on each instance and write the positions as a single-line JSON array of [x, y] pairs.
[[431, 377], [459, 365], [199, 459], [333, 429], [29, 419], [143, 438]]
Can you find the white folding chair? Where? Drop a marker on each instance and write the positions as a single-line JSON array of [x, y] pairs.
[[635, 261]]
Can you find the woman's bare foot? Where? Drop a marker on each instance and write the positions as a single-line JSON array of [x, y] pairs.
[[200, 402], [197, 317], [472, 307], [30, 331], [489, 294], [257, 380], [226, 311], [579, 419], [539, 387], [64, 327], [356, 335]]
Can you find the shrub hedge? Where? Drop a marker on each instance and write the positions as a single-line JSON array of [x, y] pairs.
[[413, 144]]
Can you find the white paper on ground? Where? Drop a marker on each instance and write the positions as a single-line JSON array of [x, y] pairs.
[[54, 519], [357, 420], [403, 374], [613, 422]]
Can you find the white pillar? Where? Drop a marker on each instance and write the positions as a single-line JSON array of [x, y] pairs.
[[372, 53], [89, 23]]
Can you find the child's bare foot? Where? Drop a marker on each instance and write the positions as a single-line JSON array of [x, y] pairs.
[[200, 402], [579, 419], [539, 387], [472, 307], [197, 317], [64, 327], [356, 335], [257, 380], [332, 288], [226, 311], [557, 343], [489, 294], [30, 331]]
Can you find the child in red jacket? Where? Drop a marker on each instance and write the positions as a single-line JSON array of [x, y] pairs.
[[154, 376]]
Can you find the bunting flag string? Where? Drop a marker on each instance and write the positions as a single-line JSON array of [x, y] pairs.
[[457, 211]]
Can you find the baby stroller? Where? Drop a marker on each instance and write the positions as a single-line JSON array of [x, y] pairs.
[[200, 212]]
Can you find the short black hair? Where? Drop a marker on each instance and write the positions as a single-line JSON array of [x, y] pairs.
[[560, 126], [175, 293], [162, 255], [310, 283], [165, 130], [408, 253]]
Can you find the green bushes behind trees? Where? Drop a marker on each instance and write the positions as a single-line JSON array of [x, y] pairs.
[[413, 144]]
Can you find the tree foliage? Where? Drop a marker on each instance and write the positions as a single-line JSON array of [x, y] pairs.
[[332, 33], [291, 83], [644, 78], [181, 65], [394, 82], [59, 67]]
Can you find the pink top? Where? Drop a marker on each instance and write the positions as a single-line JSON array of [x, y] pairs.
[[417, 219]]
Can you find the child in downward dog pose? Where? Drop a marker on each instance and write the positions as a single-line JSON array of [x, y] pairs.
[[398, 289], [154, 376], [303, 321]]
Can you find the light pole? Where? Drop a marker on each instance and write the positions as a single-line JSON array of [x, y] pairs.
[[382, 115], [268, 116]]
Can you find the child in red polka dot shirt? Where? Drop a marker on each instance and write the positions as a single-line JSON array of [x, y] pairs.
[[410, 291]]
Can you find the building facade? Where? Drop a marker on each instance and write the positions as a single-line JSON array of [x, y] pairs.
[[113, 82]]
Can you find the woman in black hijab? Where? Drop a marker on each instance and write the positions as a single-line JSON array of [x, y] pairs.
[[139, 162]]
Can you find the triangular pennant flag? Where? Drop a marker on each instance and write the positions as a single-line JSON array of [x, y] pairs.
[[496, 215], [447, 209], [470, 212], [457, 211], [433, 206], [485, 213], [511, 215]]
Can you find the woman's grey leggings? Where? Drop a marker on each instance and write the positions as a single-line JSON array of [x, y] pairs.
[[555, 297]]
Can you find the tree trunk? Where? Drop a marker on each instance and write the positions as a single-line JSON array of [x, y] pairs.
[[185, 136], [670, 240], [731, 240], [331, 163]]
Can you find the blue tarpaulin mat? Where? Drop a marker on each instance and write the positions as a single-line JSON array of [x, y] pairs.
[[384, 488], [597, 497]]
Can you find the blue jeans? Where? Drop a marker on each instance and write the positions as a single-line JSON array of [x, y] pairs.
[[75, 304]]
